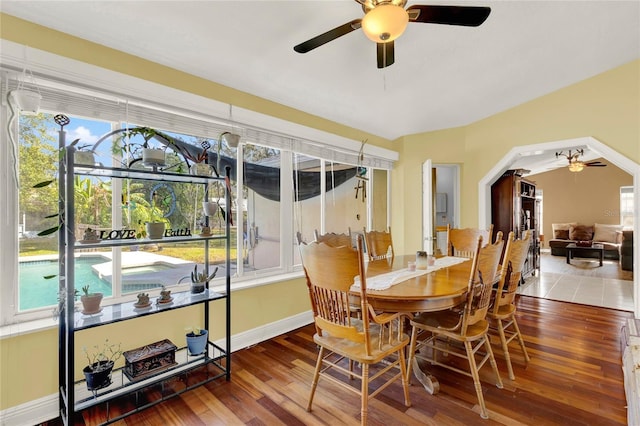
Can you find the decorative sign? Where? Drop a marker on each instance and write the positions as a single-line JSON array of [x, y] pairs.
[[91, 236], [184, 232], [118, 234]]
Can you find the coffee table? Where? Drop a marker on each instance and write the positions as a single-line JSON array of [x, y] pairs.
[[574, 250]]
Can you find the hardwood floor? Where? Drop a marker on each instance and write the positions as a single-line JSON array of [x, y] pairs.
[[574, 378]]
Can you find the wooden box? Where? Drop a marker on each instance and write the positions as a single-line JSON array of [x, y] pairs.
[[149, 360]]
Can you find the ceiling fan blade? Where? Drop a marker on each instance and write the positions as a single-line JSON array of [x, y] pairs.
[[330, 35], [385, 54], [595, 164], [468, 16]]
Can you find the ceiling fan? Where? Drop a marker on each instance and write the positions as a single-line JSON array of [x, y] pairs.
[[386, 20], [576, 165]]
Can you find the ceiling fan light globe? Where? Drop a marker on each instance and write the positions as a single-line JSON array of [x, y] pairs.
[[385, 23], [576, 166]]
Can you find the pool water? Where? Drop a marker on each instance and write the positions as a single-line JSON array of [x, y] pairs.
[[37, 292]]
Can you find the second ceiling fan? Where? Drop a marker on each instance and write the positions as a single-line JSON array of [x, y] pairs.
[[576, 165], [386, 20]]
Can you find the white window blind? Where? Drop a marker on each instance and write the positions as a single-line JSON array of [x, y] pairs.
[[62, 97]]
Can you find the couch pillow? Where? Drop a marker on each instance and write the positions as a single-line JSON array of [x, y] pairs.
[[561, 234], [580, 232], [606, 233], [561, 230]]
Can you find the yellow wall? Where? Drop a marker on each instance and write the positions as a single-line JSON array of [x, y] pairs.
[[591, 196], [605, 107]]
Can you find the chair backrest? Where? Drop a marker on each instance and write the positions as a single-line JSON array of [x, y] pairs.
[[515, 255], [379, 244], [484, 274], [330, 273], [461, 241], [333, 239]]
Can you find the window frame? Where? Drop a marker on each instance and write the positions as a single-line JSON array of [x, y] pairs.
[[379, 157]]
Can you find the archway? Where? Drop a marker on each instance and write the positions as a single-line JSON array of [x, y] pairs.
[[624, 163]]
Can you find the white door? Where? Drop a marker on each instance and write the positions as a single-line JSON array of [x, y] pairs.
[[428, 227]]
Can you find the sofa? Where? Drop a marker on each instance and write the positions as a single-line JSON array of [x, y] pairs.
[[610, 236], [626, 251]]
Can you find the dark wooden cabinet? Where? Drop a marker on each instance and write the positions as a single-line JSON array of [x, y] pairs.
[[514, 207]]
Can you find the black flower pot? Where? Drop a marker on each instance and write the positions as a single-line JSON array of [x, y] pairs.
[[98, 375]]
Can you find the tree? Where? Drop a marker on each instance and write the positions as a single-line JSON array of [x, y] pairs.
[[38, 160]]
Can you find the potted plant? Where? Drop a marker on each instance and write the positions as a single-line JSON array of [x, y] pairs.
[[101, 361], [200, 166], [90, 301], [149, 156], [200, 279], [165, 295], [143, 300], [197, 340], [155, 226]]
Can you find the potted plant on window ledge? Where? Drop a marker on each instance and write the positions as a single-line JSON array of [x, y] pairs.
[[90, 301], [199, 280]]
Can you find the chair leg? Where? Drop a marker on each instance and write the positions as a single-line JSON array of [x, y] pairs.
[[405, 378], [494, 364], [505, 349], [412, 352], [476, 379], [521, 341], [364, 402], [316, 376]]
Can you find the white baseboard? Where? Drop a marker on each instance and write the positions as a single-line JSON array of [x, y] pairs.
[[46, 408]]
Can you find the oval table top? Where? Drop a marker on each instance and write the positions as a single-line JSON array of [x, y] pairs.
[[433, 291]]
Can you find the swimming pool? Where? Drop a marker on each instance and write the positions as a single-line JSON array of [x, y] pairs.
[[37, 292]]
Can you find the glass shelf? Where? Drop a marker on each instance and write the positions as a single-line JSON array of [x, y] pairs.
[[114, 172], [185, 364], [125, 311], [133, 242]]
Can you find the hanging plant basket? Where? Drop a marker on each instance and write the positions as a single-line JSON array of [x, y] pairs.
[[28, 101]]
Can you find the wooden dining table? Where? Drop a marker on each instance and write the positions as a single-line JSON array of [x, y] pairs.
[[434, 291]]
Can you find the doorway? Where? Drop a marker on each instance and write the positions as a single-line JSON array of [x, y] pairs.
[[516, 153], [440, 203]]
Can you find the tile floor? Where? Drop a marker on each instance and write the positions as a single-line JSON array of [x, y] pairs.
[[589, 290]]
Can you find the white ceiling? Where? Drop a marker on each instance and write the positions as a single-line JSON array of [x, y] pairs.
[[444, 76]]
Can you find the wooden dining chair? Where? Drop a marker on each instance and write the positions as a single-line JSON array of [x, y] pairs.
[[333, 239], [502, 314], [379, 244], [342, 338], [467, 326], [461, 241]]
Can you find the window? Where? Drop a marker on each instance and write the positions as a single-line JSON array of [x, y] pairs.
[[626, 207], [284, 186]]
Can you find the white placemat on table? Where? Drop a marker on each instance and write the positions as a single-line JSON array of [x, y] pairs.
[[384, 281]]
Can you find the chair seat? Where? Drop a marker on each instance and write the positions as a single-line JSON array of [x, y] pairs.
[[444, 323], [356, 351], [504, 311]]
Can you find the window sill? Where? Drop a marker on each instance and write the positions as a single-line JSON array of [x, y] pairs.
[[34, 326]]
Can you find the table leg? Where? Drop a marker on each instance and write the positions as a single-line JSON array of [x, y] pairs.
[[568, 256], [429, 382], [601, 256]]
